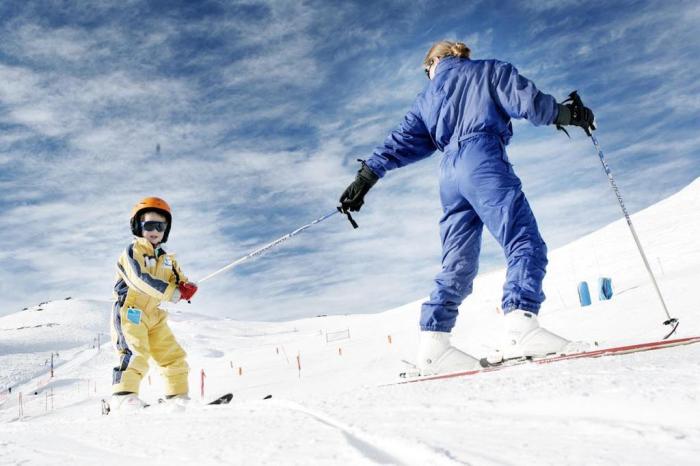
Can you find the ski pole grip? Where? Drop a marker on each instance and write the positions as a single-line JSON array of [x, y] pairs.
[[350, 219], [576, 100]]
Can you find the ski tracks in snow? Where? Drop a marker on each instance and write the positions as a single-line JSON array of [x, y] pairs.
[[377, 449]]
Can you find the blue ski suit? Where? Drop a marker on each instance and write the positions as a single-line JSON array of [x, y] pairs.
[[465, 112]]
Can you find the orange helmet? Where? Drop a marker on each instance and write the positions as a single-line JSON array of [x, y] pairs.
[[150, 204]]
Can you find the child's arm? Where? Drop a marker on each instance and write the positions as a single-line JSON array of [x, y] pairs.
[[186, 288], [133, 270], [177, 272]]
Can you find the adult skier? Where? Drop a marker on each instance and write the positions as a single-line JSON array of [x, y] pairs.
[[465, 112]]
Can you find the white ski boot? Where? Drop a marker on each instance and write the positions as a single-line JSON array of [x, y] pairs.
[[126, 403], [437, 356], [525, 338], [176, 402]]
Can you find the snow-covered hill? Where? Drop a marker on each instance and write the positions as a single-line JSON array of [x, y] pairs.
[[635, 409]]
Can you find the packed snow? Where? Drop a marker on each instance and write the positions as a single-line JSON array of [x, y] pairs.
[[332, 378]]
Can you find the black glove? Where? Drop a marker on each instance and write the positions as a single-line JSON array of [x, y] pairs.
[[354, 195], [575, 113]]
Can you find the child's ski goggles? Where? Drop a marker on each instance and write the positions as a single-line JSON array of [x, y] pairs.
[[153, 225]]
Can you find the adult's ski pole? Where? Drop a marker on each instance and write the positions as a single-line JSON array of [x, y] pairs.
[[671, 321], [274, 243]]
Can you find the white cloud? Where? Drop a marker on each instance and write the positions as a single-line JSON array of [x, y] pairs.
[[257, 138]]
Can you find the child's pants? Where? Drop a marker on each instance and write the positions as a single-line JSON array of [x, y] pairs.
[[138, 335]]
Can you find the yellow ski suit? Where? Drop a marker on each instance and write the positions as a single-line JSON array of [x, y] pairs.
[[146, 276]]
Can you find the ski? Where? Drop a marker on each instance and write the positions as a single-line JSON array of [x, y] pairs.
[[105, 407], [594, 353], [222, 400]]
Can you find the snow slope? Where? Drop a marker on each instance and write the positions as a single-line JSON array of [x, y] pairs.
[[637, 409]]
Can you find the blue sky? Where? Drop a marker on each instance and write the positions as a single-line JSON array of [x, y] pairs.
[[260, 109]]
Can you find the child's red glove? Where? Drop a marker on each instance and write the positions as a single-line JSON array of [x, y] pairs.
[[187, 290]]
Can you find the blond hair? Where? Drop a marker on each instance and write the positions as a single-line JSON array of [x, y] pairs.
[[446, 48]]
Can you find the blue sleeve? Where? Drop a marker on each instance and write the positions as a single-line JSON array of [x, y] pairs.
[[520, 98], [408, 143]]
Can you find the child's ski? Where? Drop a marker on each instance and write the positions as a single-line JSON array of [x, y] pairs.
[[222, 400]]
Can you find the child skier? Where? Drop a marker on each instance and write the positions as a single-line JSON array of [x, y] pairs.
[[147, 276]]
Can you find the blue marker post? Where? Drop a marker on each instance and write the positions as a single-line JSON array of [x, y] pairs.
[[605, 291], [584, 296]]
